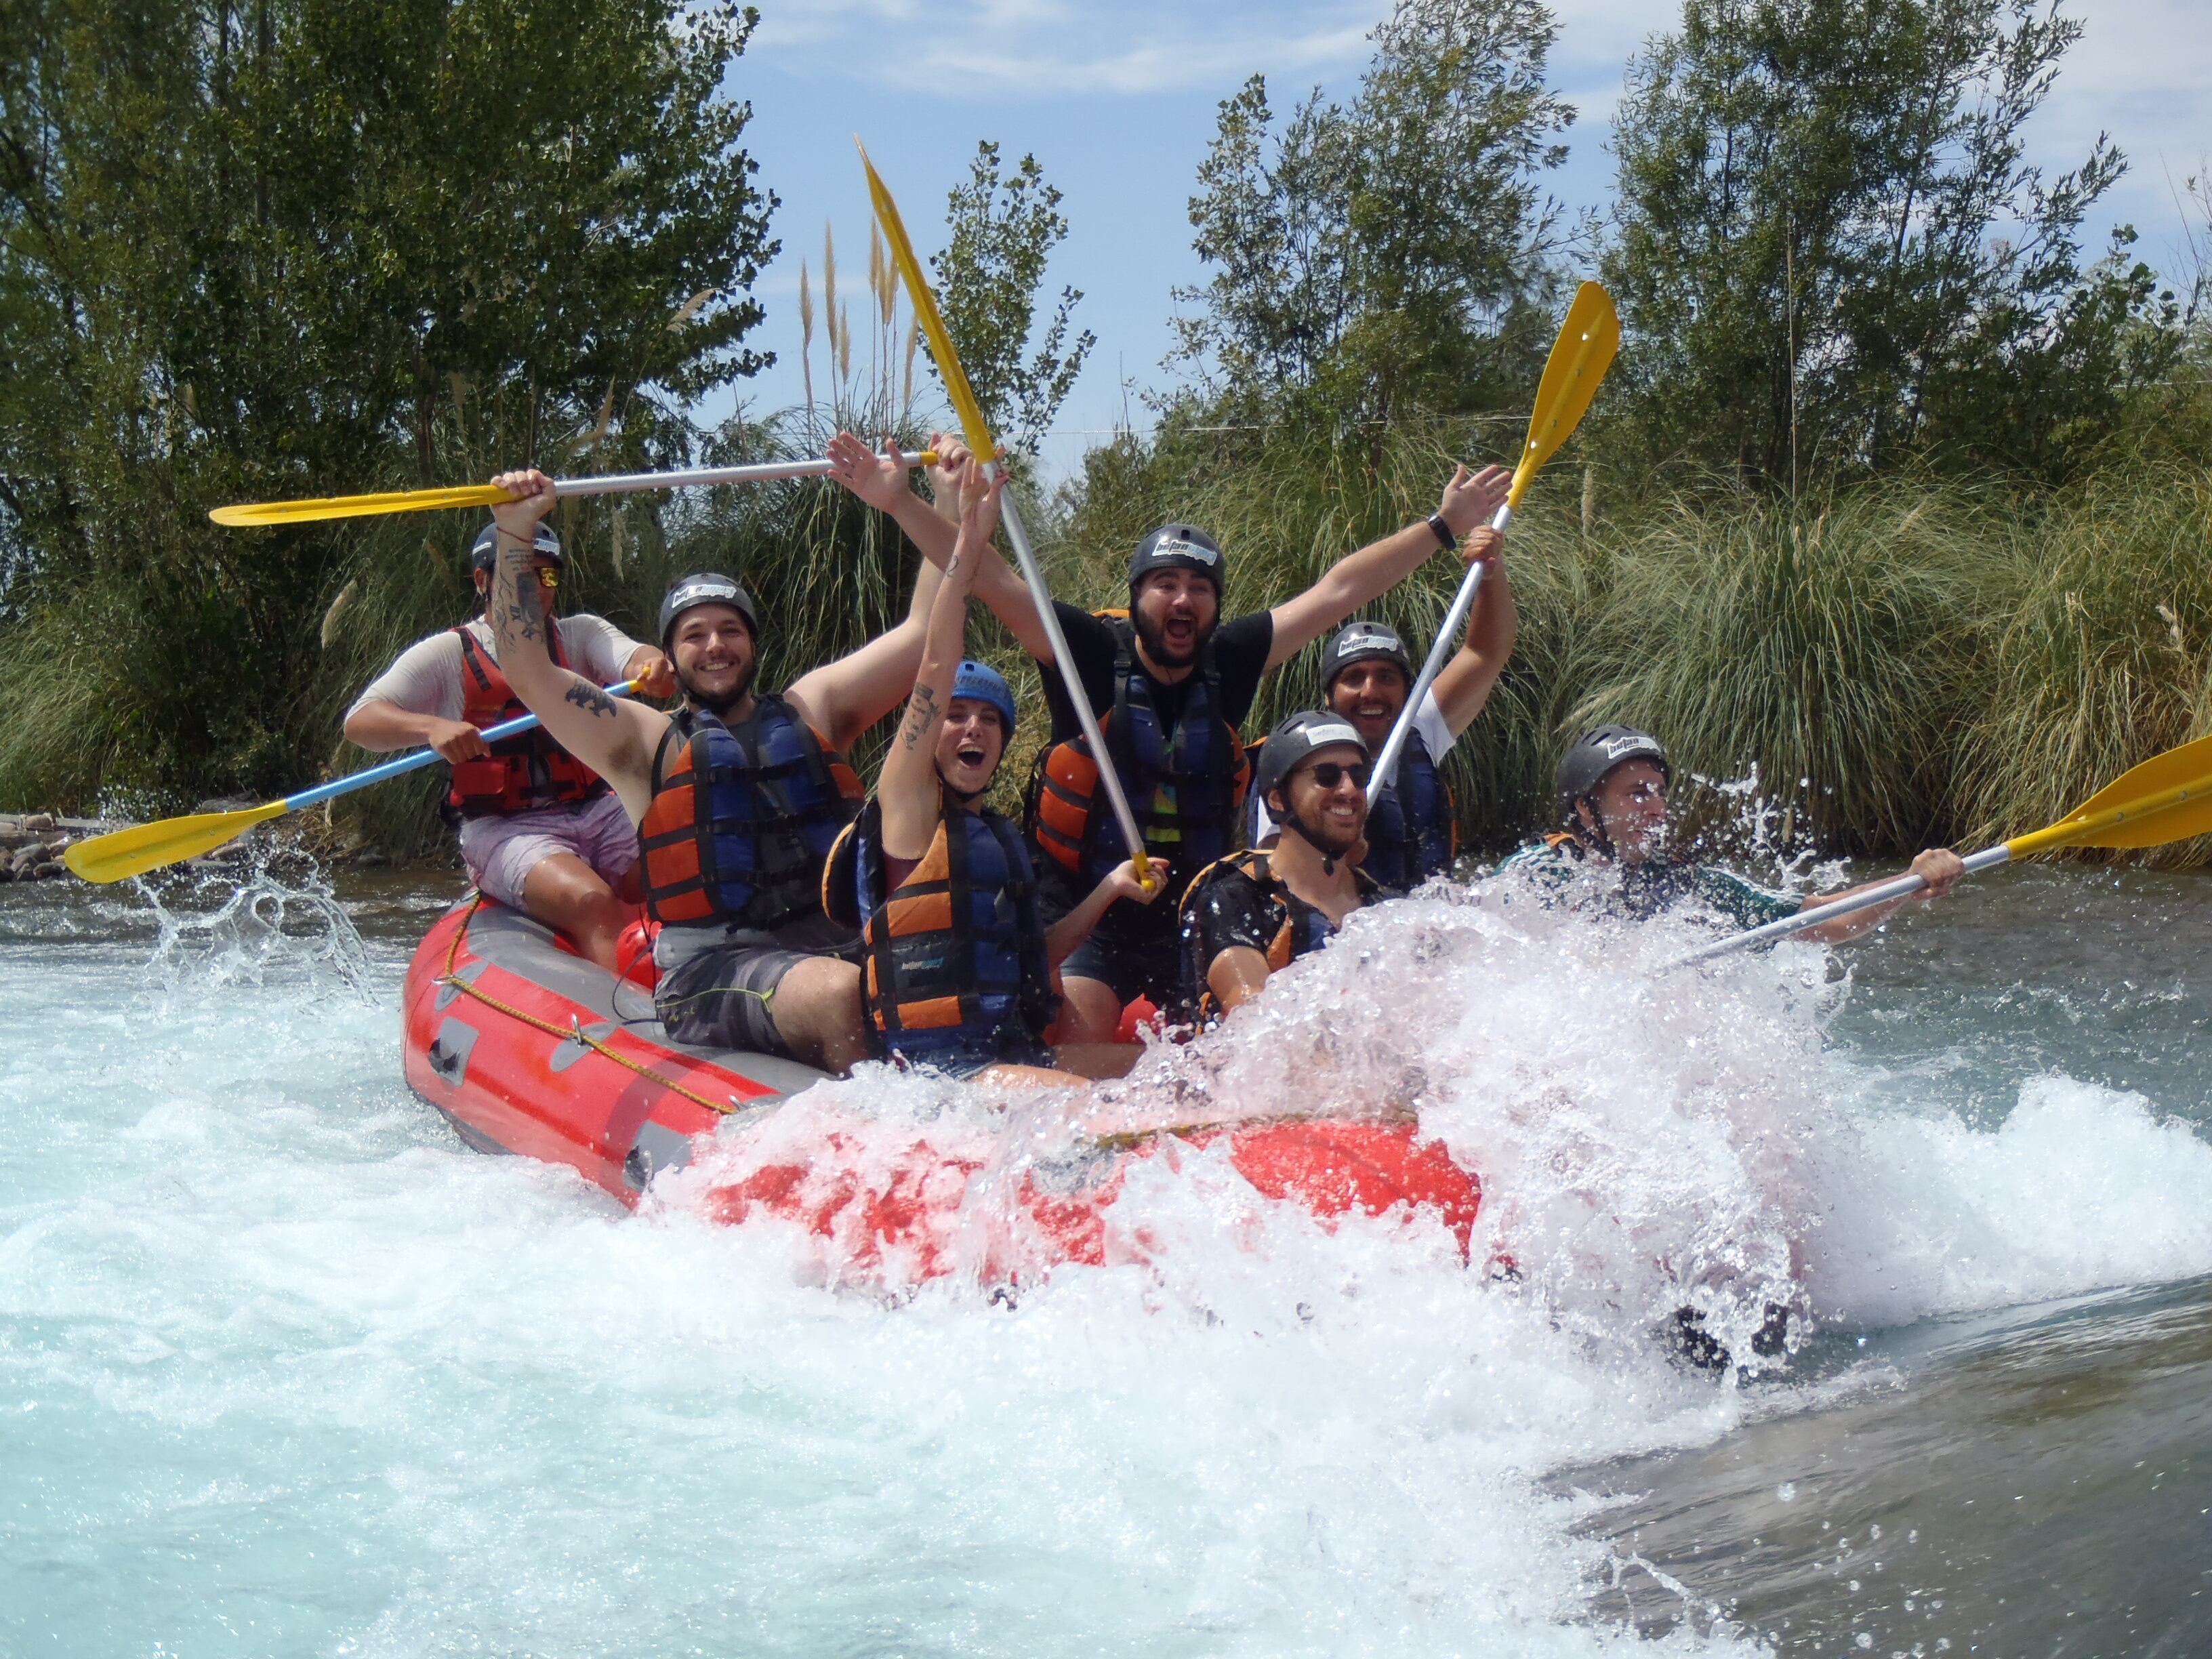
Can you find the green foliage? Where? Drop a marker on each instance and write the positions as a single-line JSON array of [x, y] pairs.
[[306, 247], [1395, 255], [2104, 656], [1831, 256], [1004, 229], [1832, 645]]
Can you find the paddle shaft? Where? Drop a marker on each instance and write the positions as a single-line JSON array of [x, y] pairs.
[[620, 483], [1884, 893], [1017, 536], [419, 758], [1386, 764]]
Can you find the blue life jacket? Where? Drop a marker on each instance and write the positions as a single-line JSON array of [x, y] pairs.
[[1413, 826], [953, 957], [742, 818]]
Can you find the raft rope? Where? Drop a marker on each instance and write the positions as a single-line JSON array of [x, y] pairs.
[[573, 1031]]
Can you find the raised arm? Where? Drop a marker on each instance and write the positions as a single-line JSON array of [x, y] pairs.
[[1360, 578], [881, 480], [615, 739], [1463, 684], [907, 790], [844, 698]]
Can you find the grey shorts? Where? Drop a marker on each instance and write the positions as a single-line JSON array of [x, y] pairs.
[[724, 998]]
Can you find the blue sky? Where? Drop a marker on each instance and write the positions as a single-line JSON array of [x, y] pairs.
[[1117, 100]]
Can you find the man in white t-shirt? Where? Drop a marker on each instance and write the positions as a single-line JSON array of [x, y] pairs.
[[1411, 830], [539, 830]]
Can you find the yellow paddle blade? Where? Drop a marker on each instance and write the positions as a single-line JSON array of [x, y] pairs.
[[358, 507], [121, 854], [2167, 798], [970, 412], [1588, 339]]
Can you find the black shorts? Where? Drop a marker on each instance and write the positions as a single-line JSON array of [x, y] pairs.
[[725, 998], [1135, 950]]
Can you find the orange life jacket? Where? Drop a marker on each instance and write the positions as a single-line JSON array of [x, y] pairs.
[[522, 773], [954, 962]]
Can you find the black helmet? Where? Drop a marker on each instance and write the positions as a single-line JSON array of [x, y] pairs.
[[483, 553], [1595, 754], [1363, 641], [705, 587], [1295, 739], [1174, 546]]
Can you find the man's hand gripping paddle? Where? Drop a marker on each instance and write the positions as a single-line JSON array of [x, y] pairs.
[[2167, 798], [978, 433], [430, 501], [122, 854], [1589, 337]]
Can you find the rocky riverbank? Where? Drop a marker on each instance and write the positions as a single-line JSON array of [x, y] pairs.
[[32, 843]]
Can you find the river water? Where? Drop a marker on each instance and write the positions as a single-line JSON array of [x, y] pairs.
[[286, 1369]]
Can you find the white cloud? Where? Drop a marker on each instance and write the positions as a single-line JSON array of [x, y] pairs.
[[1053, 48]]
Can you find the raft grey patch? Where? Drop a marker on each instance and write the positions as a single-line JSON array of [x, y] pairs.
[[573, 1049], [657, 1147], [449, 1051], [468, 973]]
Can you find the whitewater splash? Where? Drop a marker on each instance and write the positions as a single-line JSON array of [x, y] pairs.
[[1647, 1142], [279, 1358]]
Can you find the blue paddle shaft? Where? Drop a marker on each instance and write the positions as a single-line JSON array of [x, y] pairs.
[[421, 757]]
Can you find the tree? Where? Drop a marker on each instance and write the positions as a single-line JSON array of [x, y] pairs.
[[266, 247], [1395, 253], [1005, 227], [1830, 254]]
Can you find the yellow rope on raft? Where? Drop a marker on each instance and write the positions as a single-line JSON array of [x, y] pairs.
[[572, 1031]]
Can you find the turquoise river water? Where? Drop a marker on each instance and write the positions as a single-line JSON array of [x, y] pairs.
[[284, 1369]]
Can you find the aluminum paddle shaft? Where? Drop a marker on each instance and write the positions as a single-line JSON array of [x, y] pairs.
[[1386, 764], [1017, 536], [1886, 892]]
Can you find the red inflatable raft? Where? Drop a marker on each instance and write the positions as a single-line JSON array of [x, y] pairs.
[[528, 1048]]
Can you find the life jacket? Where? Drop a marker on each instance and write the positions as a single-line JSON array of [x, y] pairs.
[[1412, 825], [742, 818], [1184, 791], [954, 958], [522, 773], [1303, 927]]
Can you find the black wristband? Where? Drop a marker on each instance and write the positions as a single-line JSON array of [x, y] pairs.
[[1444, 530]]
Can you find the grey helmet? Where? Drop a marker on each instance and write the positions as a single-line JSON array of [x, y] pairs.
[[1363, 641], [1595, 754], [1295, 739], [1176, 546], [705, 587], [483, 552]]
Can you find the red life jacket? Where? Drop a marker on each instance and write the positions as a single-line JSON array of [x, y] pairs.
[[524, 772]]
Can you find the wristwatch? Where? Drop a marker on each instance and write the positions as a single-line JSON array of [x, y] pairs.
[[1444, 530]]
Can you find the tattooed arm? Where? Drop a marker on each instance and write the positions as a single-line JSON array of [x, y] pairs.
[[615, 739], [907, 786]]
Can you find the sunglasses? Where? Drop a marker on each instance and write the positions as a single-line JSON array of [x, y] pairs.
[[549, 579], [1329, 773]]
